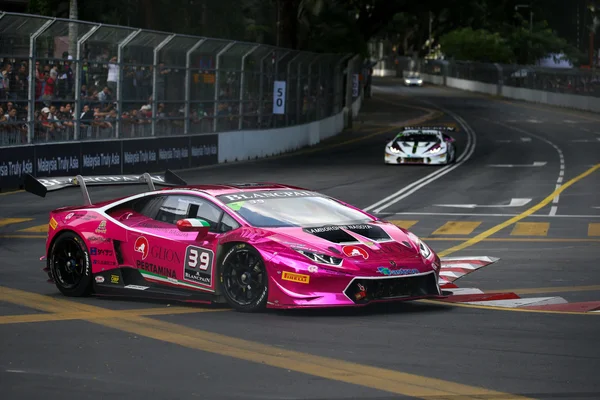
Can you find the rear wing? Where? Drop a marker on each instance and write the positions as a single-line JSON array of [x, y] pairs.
[[433, 128], [41, 186]]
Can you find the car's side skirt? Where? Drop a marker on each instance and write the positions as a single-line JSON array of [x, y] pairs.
[[129, 282]]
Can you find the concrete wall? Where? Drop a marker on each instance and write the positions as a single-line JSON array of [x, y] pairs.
[[573, 101], [248, 145]]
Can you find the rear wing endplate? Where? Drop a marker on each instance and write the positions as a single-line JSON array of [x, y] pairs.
[[41, 186]]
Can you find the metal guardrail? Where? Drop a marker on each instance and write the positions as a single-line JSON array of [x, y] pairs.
[[575, 81], [96, 81]]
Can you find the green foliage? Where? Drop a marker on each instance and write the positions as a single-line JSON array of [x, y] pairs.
[[530, 46], [476, 45]]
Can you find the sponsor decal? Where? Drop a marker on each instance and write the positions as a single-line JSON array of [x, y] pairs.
[[141, 245], [298, 278], [266, 194], [99, 279], [101, 227], [355, 251], [80, 215], [101, 252], [53, 224], [313, 268], [98, 239], [165, 254], [114, 279], [362, 293], [104, 262], [136, 287], [197, 267], [390, 272], [334, 228], [155, 269]]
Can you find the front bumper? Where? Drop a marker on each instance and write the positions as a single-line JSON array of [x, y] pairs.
[[352, 291], [405, 159]]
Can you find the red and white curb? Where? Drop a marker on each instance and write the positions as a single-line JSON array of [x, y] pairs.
[[454, 268]]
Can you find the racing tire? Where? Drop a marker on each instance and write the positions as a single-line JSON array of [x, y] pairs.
[[69, 264], [244, 278]]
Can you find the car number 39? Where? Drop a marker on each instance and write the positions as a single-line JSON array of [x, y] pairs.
[[198, 258]]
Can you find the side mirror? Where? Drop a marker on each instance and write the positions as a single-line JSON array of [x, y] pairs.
[[194, 225]]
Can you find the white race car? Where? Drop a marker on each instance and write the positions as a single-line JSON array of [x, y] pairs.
[[421, 145], [413, 79]]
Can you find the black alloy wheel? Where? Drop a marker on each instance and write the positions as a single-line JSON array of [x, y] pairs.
[[244, 279], [69, 263]]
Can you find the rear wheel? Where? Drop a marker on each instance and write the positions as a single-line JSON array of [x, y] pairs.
[[69, 264], [244, 278]]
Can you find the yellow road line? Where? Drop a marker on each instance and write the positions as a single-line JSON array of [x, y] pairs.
[[530, 229], [36, 229], [12, 192], [86, 315], [550, 289], [494, 308], [10, 221], [357, 374], [457, 228], [17, 236], [594, 229], [519, 217], [402, 223], [324, 367], [516, 240]]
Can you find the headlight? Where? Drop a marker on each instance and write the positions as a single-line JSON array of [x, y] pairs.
[[321, 258], [394, 150], [406, 81], [435, 149], [420, 81], [424, 249]]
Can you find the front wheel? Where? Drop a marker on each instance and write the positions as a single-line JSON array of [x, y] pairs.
[[69, 263], [244, 278]]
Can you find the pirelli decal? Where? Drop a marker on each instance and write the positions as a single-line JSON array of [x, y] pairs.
[[292, 277]]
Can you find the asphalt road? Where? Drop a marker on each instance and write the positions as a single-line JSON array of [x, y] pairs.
[[100, 348]]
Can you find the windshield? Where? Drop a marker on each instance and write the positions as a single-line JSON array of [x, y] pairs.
[[418, 137], [304, 212]]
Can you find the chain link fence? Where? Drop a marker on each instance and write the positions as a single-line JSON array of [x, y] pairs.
[[64, 80], [584, 82]]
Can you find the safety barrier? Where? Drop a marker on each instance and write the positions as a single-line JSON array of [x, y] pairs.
[[153, 100], [568, 88]]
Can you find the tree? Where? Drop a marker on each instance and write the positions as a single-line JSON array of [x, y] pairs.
[[476, 45]]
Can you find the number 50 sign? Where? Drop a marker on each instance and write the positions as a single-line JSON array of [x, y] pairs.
[[279, 97]]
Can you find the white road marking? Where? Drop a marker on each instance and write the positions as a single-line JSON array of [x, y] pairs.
[[516, 303], [488, 214], [521, 140], [513, 203], [413, 187], [561, 173], [569, 121], [534, 121], [535, 164], [586, 140]]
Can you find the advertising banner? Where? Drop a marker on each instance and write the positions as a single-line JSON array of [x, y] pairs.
[[109, 157], [14, 163]]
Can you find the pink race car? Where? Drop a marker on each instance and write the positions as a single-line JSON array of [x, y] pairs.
[[254, 246]]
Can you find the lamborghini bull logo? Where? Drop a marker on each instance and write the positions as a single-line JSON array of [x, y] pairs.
[[354, 251], [142, 246]]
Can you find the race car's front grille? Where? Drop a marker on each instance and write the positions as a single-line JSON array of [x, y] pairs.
[[365, 290]]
